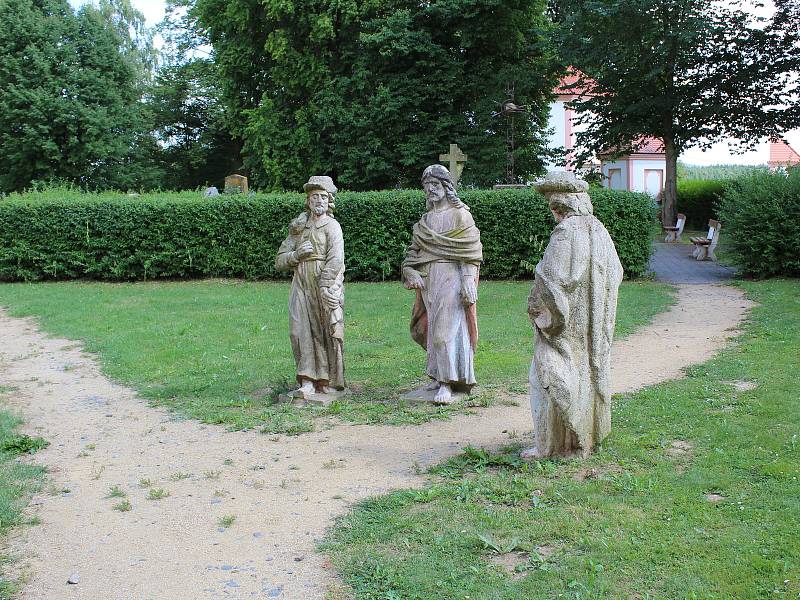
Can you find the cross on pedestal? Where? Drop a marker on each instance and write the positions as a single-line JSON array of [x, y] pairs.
[[456, 158]]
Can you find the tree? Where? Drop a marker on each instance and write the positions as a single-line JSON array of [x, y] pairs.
[[689, 72], [371, 92], [70, 107], [189, 121]]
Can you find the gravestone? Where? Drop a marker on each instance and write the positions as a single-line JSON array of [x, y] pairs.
[[211, 192], [236, 184], [456, 159]]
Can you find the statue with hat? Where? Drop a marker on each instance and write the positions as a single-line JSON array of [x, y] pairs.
[[314, 250], [442, 266], [573, 308]]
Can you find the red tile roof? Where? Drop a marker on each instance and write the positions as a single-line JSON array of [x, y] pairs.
[[567, 84], [782, 154], [649, 145]]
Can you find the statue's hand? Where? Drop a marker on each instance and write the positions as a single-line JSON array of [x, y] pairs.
[[304, 250], [413, 280], [469, 291], [330, 298]]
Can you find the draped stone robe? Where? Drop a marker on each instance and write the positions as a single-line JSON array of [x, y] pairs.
[[573, 307], [444, 242], [315, 331]]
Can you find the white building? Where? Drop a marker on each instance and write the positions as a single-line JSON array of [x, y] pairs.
[[640, 171]]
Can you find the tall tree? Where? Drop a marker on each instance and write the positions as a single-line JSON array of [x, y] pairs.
[[689, 72], [70, 107], [371, 92]]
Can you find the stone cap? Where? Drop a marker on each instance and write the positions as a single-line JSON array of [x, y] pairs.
[[560, 182], [320, 182]]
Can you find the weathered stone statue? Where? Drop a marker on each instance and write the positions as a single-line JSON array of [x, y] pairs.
[[442, 265], [573, 306], [314, 249]]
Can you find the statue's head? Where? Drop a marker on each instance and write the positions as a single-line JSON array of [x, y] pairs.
[[566, 194], [438, 184], [320, 195]]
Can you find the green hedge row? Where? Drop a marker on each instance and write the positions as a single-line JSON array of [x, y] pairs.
[[761, 223], [115, 237], [697, 199]]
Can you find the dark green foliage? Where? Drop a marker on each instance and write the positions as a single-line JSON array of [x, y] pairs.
[[63, 235], [761, 223], [71, 84], [689, 72], [188, 118], [697, 199], [372, 92]]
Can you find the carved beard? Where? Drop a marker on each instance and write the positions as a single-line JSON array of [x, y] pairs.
[[318, 210]]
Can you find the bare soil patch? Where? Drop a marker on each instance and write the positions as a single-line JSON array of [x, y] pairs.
[[281, 491]]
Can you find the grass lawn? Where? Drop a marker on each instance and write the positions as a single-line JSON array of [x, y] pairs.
[[17, 482], [636, 520], [219, 351]]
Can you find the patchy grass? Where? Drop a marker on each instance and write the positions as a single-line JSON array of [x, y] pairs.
[[219, 351], [695, 494], [18, 481]]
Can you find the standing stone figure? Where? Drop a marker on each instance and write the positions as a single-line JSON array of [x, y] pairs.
[[442, 265], [314, 249], [573, 307]]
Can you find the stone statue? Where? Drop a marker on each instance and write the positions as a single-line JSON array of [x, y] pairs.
[[442, 265], [573, 307], [314, 249]]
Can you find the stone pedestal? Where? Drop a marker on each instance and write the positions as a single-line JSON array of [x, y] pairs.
[[301, 398], [423, 396]]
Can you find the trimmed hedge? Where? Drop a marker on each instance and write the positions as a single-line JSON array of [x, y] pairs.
[[697, 199], [761, 223], [67, 235]]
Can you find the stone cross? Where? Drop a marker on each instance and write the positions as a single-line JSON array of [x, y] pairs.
[[456, 158]]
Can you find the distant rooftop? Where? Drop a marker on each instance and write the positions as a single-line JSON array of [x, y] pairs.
[[782, 154]]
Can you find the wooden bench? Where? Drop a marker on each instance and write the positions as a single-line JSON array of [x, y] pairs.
[[674, 233], [704, 247]]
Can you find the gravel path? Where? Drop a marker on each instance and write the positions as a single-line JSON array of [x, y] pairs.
[[673, 263], [282, 491]]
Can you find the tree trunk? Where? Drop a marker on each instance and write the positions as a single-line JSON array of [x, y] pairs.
[[670, 195]]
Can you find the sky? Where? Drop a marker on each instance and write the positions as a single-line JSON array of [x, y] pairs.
[[720, 153]]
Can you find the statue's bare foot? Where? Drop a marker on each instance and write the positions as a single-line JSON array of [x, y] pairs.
[[444, 395], [530, 453], [433, 385], [328, 390], [307, 387]]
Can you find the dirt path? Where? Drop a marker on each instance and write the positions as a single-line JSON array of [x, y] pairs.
[[283, 492]]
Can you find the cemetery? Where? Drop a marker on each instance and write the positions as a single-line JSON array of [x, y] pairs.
[[385, 301]]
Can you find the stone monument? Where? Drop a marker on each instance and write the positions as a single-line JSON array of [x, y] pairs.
[[236, 184], [573, 307], [314, 250], [442, 266]]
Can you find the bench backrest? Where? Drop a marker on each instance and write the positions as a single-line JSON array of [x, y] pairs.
[[713, 233], [680, 222]]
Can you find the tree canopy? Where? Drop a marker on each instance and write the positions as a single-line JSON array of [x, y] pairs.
[[371, 92], [689, 72], [71, 87]]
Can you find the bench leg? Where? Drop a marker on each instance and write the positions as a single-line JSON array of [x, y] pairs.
[[678, 237], [695, 251], [711, 255], [702, 253]]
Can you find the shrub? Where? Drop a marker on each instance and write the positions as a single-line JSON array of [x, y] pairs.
[[697, 199], [64, 235], [761, 223]]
